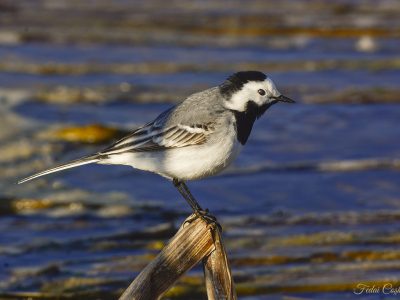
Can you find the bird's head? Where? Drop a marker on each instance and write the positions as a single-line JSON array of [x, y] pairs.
[[250, 91]]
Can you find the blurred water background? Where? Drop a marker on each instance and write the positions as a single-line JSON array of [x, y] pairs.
[[310, 209]]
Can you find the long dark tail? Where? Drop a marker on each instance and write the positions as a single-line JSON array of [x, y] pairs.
[[75, 163]]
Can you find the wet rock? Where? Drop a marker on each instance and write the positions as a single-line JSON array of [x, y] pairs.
[[18, 150], [366, 44], [51, 270], [115, 211], [63, 94], [9, 37]]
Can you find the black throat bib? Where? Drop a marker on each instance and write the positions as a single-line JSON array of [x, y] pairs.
[[245, 119]]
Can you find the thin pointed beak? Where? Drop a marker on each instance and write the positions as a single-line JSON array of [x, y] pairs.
[[282, 98]]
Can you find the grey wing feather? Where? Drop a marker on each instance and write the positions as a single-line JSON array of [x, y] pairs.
[[188, 123], [159, 135]]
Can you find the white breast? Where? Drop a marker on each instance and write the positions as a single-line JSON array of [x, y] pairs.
[[202, 161]]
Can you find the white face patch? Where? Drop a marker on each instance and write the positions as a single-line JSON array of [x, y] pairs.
[[249, 92]]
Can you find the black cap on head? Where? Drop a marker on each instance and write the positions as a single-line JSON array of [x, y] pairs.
[[236, 81]]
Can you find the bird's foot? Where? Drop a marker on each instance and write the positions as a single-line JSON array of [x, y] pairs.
[[206, 216]]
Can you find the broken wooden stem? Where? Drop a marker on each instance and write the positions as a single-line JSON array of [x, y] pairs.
[[195, 240]]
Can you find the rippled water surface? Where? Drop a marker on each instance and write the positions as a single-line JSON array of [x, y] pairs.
[[310, 209]]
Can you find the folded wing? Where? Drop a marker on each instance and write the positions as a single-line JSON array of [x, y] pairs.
[[153, 137]]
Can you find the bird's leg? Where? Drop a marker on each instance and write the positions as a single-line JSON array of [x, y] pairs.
[[185, 192]]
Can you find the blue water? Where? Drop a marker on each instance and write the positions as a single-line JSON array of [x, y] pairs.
[[287, 134]]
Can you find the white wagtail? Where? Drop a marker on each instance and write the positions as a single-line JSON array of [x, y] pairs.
[[197, 138]]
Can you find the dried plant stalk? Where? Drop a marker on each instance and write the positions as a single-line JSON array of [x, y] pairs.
[[217, 272], [192, 242], [195, 240]]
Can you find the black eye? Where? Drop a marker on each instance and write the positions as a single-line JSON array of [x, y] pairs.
[[261, 92]]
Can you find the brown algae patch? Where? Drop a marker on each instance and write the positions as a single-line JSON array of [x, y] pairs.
[[16, 206], [188, 287], [334, 238], [36, 68], [320, 238], [353, 95], [32, 204], [88, 134], [249, 289], [318, 257], [123, 92], [75, 285], [156, 245]]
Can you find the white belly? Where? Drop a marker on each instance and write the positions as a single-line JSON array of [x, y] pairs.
[[201, 161], [187, 163]]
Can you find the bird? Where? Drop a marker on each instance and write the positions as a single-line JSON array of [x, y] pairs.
[[194, 139]]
